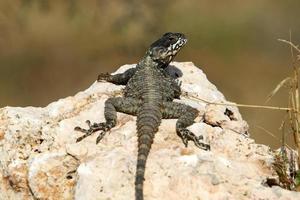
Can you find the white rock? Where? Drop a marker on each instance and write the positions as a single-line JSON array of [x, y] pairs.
[[39, 157]]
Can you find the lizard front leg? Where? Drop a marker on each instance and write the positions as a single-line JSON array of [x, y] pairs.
[[176, 86], [185, 115], [118, 79], [112, 106]]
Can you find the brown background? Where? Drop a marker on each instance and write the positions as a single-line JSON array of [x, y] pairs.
[[51, 49]]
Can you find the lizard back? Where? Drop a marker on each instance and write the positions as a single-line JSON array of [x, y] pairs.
[[151, 86]]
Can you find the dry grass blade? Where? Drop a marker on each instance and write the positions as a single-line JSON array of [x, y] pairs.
[[268, 132], [191, 96], [272, 135], [294, 102], [277, 88], [291, 44]]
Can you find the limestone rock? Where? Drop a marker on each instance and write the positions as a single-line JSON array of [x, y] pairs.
[[40, 159]]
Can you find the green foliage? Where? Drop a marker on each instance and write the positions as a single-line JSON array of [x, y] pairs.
[[297, 178]]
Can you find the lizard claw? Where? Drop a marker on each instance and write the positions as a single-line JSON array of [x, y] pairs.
[[179, 82], [103, 77], [77, 128], [80, 138], [100, 136], [87, 133], [92, 129], [88, 122], [104, 127], [187, 135], [201, 145]]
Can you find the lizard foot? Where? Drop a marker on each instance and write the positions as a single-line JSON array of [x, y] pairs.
[[103, 77], [187, 135], [92, 129]]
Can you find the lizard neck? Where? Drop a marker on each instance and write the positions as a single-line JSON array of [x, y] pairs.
[[147, 61]]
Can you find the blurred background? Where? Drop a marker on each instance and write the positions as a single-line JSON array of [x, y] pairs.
[[51, 49]]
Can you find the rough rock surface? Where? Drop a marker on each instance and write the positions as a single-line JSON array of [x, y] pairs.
[[39, 158]]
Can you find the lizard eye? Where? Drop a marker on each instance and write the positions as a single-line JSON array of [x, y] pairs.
[[171, 39]]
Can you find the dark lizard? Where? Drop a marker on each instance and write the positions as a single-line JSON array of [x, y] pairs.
[[149, 95]]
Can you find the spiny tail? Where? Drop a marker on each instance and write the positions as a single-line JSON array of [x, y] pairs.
[[148, 121]]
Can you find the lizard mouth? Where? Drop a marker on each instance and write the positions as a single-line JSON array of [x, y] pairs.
[[183, 38], [183, 42], [177, 46]]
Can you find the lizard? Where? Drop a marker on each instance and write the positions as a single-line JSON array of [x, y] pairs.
[[149, 95]]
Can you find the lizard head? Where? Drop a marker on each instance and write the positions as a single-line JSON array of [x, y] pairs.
[[165, 49]]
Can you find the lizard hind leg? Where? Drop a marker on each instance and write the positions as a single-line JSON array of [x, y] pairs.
[[112, 106], [185, 115]]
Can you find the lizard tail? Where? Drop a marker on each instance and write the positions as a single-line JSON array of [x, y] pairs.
[[148, 121]]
